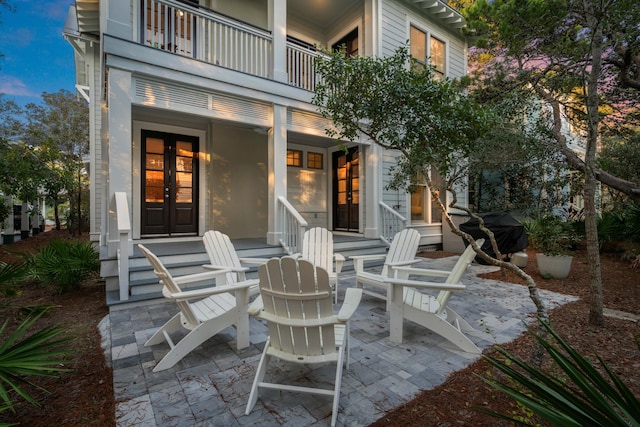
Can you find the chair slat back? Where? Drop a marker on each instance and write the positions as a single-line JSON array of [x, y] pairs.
[[221, 252], [297, 299], [403, 247], [166, 280], [456, 274], [317, 247]]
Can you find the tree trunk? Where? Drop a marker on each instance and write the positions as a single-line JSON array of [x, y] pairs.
[[591, 225]]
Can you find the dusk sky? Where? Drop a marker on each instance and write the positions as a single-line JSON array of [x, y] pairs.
[[36, 57]]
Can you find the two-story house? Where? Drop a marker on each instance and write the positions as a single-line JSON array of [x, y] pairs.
[[201, 116]]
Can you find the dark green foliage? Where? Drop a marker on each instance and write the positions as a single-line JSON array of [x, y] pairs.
[[551, 235], [581, 396], [64, 264], [10, 275], [23, 355]]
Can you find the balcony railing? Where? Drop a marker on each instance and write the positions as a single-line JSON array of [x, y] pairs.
[[199, 33]]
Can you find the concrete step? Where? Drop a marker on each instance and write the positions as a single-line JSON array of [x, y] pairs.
[[187, 257]]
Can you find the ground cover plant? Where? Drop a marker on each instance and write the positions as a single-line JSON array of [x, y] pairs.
[[84, 394]]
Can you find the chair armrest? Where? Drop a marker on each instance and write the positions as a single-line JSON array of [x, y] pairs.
[[358, 260], [426, 285], [406, 271], [368, 257], [258, 261], [401, 263], [200, 293], [228, 268], [339, 260], [256, 306], [197, 277], [351, 301]]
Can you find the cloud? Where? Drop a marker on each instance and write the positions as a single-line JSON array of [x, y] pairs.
[[10, 85], [19, 37]]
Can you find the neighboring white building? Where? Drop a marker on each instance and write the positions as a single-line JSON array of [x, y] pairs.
[[201, 113]]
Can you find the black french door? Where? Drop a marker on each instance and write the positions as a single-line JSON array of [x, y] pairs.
[[346, 190], [169, 184]]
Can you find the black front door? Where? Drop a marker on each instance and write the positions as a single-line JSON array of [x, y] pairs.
[[346, 190], [169, 184]]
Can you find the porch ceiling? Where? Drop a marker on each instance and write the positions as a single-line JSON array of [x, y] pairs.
[[323, 12], [326, 12]]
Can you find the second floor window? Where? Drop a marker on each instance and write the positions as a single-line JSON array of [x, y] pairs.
[[428, 51]]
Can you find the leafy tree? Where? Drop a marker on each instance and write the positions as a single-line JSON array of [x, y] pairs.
[[61, 124], [566, 53], [432, 124]]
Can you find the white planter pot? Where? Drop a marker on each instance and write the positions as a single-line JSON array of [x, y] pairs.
[[555, 266]]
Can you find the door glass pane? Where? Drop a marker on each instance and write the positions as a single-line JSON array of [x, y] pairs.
[[184, 195], [154, 195], [155, 161], [155, 145], [183, 179], [184, 149], [184, 164], [154, 179], [417, 204]]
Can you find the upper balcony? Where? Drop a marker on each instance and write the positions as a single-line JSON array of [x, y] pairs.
[[203, 34], [248, 36]]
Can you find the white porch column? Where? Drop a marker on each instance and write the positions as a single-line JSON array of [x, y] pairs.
[[278, 26], [373, 191], [9, 226], [119, 145], [277, 158]]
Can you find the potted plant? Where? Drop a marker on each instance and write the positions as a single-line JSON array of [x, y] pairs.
[[555, 238]]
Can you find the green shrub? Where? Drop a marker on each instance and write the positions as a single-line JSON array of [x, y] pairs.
[[64, 264], [10, 275], [587, 398], [37, 354]]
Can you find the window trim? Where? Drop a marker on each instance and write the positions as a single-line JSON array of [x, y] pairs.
[[300, 157], [315, 153], [429, 34]]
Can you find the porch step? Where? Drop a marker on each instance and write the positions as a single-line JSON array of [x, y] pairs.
[[187, 257]]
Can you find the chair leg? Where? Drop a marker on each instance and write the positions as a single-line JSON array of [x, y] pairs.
[[172, 325], [336, 389], [194, 338], [260, 372]]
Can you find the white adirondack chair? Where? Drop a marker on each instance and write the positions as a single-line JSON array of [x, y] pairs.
[[317, 247], [223, 256], [432, 312], [298, 308], [402, 252], [203, 312]]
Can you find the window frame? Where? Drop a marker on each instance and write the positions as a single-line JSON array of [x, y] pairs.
[[428, 59], [309, 162], [300, 157]]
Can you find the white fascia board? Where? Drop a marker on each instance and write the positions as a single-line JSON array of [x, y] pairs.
[[153, 62]]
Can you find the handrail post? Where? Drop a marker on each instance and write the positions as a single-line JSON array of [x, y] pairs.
[[123, 225], [392, 222], [293, 226]]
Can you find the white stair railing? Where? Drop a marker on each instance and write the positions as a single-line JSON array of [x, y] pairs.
[[292, 226], [123, 226], [392, 223]]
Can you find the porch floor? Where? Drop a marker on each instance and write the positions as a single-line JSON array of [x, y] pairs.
[[210, 386]]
